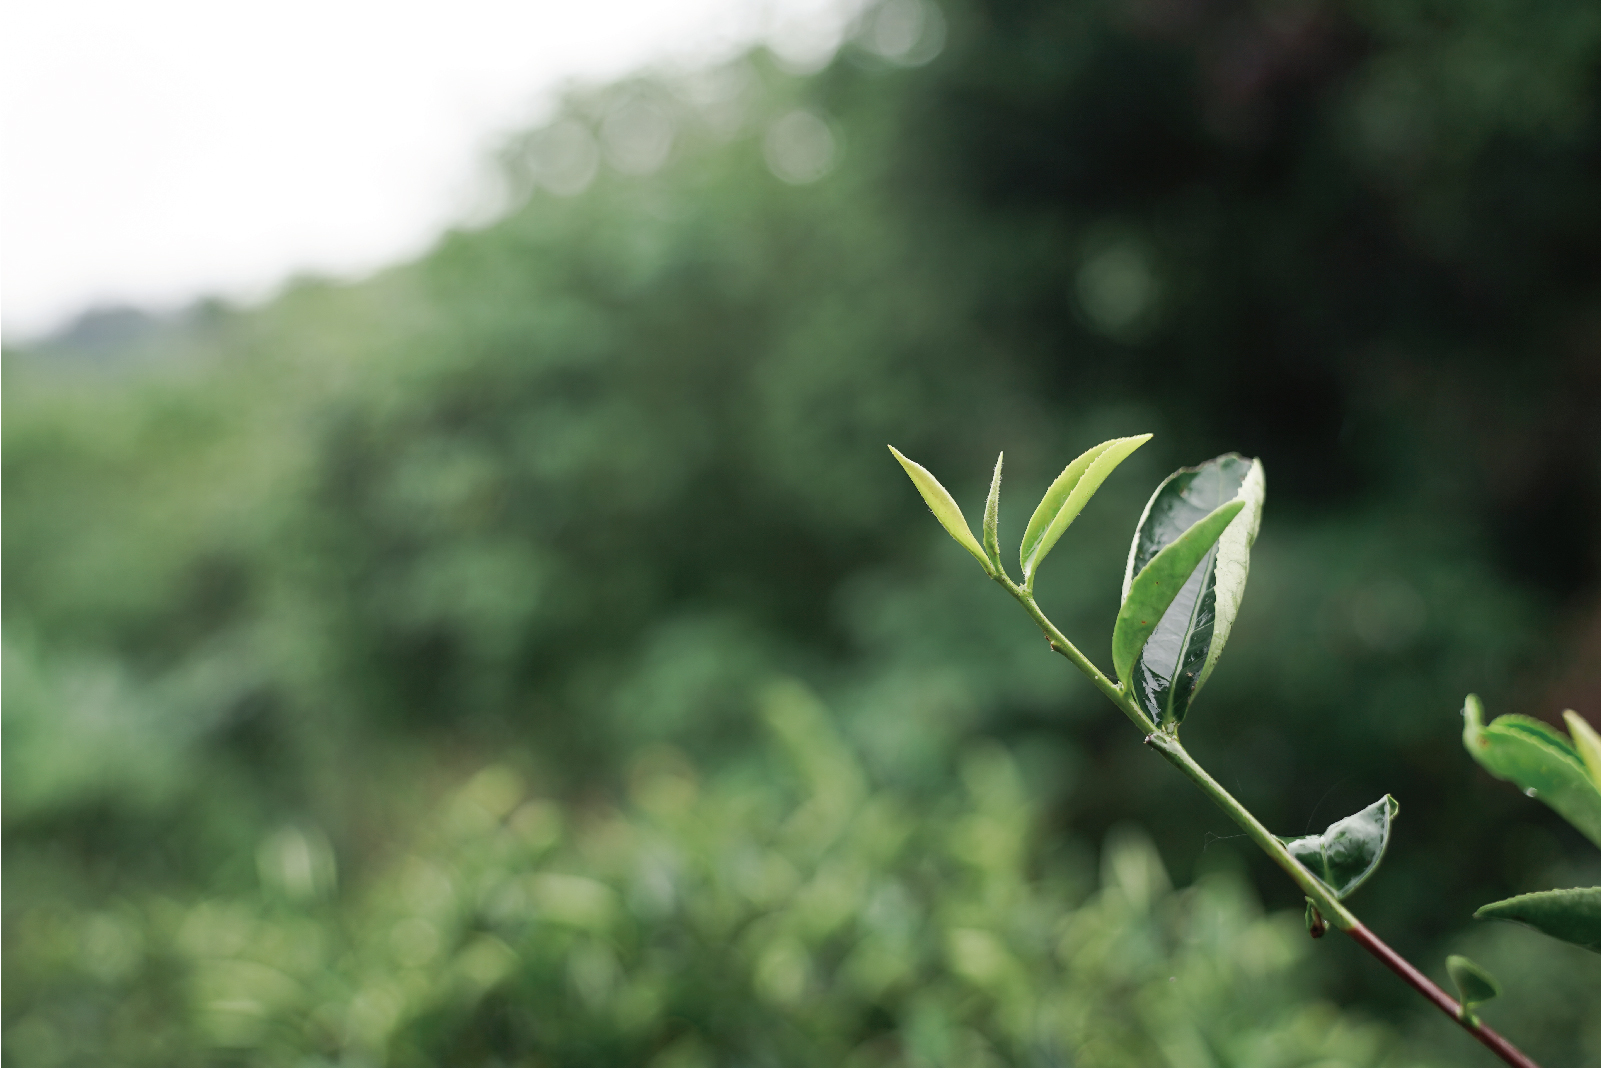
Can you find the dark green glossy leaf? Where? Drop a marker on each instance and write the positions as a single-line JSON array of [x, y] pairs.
[[1067, 496], [1474, 985], [943, 505], [1539, 759], [1571, 915], [1181, 591], [1586, 742], [992, 515], [1349, 851]]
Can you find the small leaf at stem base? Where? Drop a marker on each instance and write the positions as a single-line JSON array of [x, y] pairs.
[[1186, 575], [1346, 854], [992, 516], [1571, 915], [943, 505]]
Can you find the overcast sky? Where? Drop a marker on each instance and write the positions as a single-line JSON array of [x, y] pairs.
[[157, 150]]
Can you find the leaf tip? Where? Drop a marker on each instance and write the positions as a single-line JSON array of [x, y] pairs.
[[995, 479]]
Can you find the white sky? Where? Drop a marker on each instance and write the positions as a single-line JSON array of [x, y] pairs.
[[155, 150]]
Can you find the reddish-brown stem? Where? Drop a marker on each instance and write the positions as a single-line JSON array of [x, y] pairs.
[[1445, 1002]]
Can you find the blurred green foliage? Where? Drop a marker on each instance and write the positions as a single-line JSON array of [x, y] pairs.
[[582, 481], [786, 914]]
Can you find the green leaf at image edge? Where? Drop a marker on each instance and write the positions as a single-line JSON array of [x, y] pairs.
[[1474, 985], [1067, 496], [944, 507], [1348, 852], [1538, 759], [1571, 915]]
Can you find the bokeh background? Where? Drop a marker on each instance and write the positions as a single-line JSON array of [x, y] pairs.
[[529, 654]]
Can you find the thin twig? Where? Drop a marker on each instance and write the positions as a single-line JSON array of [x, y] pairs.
[[1165, 741]]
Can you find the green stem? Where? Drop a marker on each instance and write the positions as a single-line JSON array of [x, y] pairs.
[[1166, 742], [1321, 895], [1059, 642]]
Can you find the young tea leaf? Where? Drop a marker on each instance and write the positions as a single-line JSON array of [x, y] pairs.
[[1539, 759], [1571, 915], [1587, 743], [1233, 565], [1349, 851], [1180, 593], [943, 505], [1067, 496], [1167, 608], [992, 515], [1474, 985]]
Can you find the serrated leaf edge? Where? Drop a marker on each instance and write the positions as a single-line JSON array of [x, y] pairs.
[[992, 515], [1051, 503], [1233, 567], [944, 507], [1458, 967], [1392, 809], [1542, 736]]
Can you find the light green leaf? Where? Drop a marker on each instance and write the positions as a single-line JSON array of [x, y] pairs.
[[1474, 985], [1067, 496], [1571, 915], [1587, 743], [1180, 593], [992, 515], [1316, 925], [1349, 851], [943, 505], [1538, 758]]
